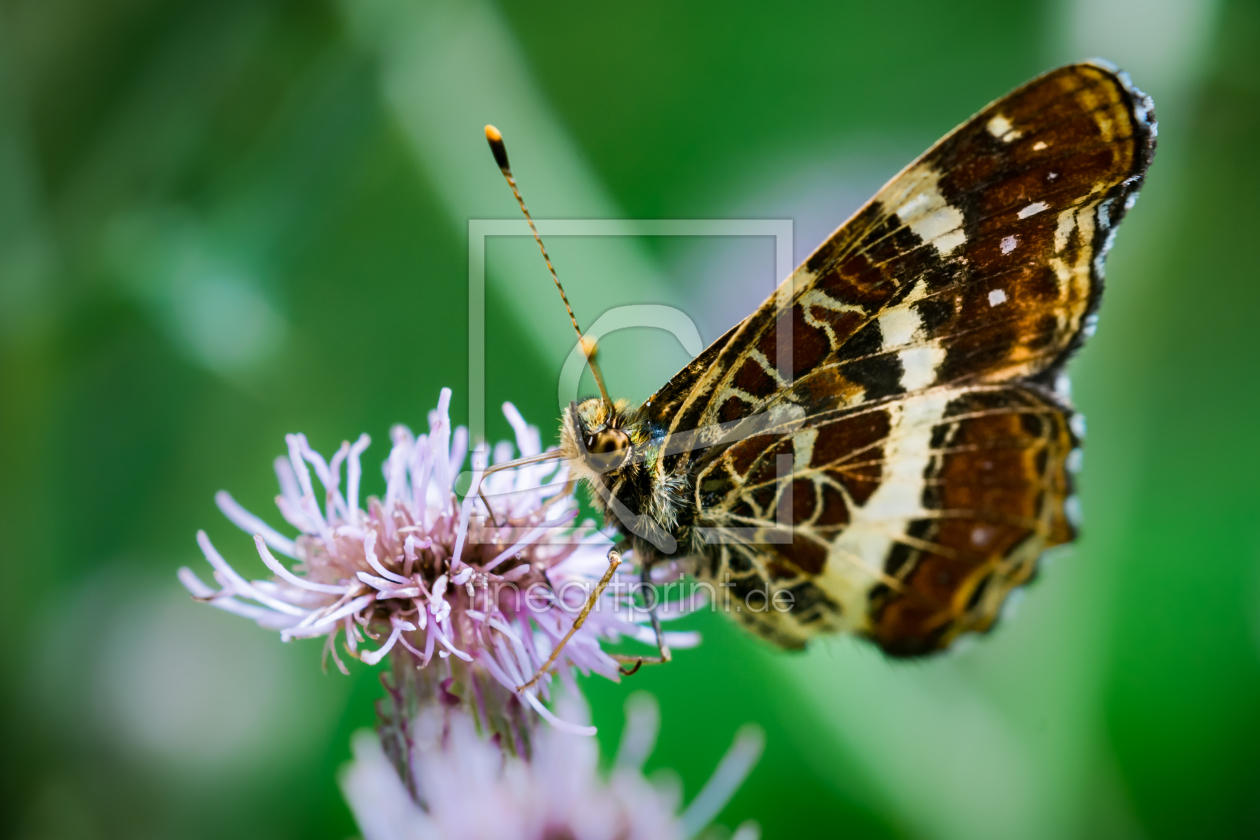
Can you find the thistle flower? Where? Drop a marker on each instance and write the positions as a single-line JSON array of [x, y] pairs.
[[418, 573], [463, 787]]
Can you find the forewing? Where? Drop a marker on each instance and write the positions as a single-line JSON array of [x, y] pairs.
[[981, 262]]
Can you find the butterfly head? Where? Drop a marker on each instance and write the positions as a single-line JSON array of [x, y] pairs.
[[595, 438]]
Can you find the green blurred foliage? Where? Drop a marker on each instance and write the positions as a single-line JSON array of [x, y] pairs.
[[214, 231]]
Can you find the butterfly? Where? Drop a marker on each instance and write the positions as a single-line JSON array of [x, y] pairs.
[[886, 446]]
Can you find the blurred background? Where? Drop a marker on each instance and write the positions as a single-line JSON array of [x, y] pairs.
[[224, 221]]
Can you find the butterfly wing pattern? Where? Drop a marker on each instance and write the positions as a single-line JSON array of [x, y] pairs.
[[887, 437]]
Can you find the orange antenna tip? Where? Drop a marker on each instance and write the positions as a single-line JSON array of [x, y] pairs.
[[495, 138]]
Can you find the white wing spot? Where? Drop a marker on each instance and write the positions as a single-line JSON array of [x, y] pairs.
[[1077, 424], [1052, 176], [898, 326], [1000, 127], [919, 364], [997, 296], [1033, 209], [1039, 145], [901, 326], [917, 201], [1072, 510], [1009, 243]]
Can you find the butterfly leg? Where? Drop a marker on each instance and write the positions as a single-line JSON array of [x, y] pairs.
[[614, 560], [511, 465], [482, 493], [662, 648]]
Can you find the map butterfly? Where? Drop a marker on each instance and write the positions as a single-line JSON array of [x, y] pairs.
[[888, 437]]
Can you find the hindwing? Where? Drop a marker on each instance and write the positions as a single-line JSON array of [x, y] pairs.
[[908, 521]]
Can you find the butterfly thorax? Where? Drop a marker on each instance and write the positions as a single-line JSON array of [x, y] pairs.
[[618, 452]]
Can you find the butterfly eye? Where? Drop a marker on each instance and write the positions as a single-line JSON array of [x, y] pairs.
[[608, 449]]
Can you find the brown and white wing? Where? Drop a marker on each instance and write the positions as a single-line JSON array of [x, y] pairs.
[[980, 262], [967, 281], [907, 521]]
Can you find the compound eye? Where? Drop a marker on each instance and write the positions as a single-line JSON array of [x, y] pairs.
[[607, 449]]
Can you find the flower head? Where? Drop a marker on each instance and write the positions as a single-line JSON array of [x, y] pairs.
[[423, 574], [461, 786]]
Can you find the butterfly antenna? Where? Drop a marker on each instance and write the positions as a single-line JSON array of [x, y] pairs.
[[495, 138]]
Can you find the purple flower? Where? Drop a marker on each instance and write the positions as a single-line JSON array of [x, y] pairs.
[[427, 576], [463, 786]]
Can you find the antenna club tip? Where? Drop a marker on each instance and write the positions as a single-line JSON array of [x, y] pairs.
[[495, 138]]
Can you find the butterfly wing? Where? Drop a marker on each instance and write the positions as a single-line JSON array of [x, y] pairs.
[[898, 383], [907, 520]]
